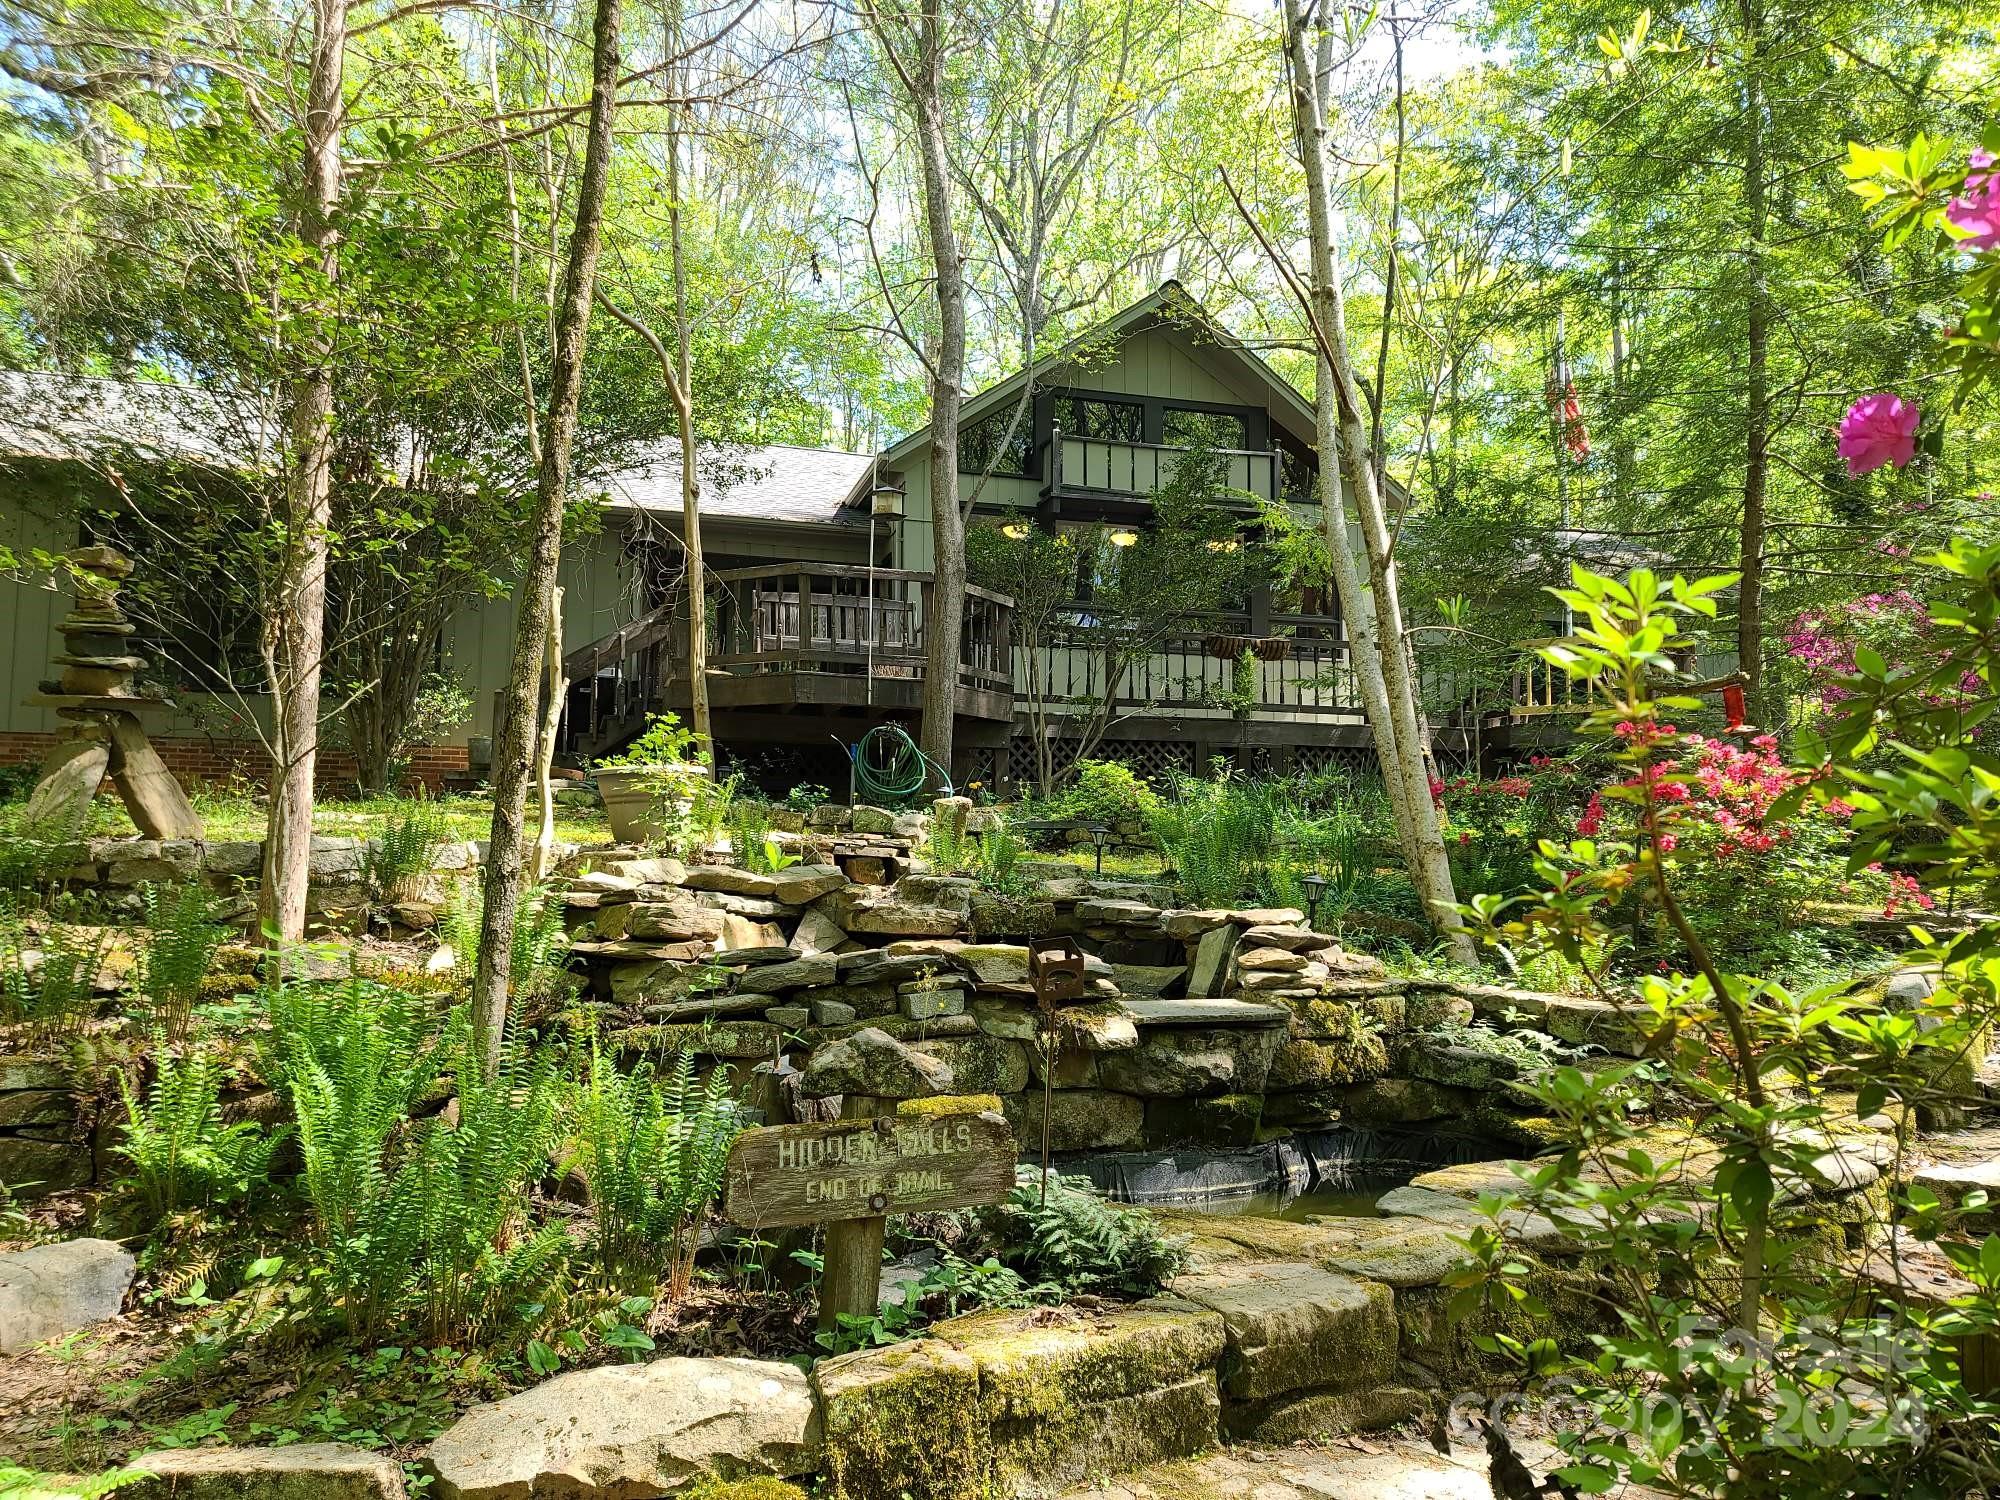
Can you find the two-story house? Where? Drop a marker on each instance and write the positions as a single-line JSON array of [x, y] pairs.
[[819, 571]]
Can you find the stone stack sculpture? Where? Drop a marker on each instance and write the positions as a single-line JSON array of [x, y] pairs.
[[100, 706]]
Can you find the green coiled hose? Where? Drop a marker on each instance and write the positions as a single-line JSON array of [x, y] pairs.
[[889, 768]]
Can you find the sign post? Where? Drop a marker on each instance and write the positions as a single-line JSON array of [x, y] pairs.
[[850, 1175]]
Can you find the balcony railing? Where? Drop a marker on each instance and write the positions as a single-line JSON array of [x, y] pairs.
[[1085, 467], [1305, 674]]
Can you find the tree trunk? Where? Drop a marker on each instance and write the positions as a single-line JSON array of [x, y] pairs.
[[944, 621], [555, 687], [296, 621], [1757, 411], [1394, 716], [514, 739]]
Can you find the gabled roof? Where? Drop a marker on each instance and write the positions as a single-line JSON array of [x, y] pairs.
[[1171, 307]]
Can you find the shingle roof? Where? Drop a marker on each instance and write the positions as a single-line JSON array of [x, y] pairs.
[[774, 483], [84, 418]]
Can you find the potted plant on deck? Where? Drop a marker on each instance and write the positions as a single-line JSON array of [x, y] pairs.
[[649, 787]]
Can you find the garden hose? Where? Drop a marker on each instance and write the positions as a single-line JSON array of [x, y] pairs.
[[888, 767]]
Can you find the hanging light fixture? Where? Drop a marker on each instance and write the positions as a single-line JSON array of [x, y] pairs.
[[1124, 537]]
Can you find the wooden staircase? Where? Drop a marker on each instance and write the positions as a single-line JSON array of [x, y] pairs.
[[618, 682]]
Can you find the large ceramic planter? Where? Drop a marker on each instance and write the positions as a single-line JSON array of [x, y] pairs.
[[635, 796]]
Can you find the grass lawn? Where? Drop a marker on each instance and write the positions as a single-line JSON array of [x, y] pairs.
[[232, 816]]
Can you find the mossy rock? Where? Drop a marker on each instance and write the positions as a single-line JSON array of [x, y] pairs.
[[1076, 1391], [1037, 1363], [1295, 1418], [948, 1104], [906, 1420], [1079, 1119], [1293, 1327], [761, 1488], [1333, 1042], [1226, 1120], [981, 1064]]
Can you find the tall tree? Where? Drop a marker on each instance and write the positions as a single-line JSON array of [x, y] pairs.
[[1379, 646], [913, 42], [295, 630], [514, 743]]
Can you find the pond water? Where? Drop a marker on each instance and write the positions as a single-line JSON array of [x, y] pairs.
[[1339, 1172]]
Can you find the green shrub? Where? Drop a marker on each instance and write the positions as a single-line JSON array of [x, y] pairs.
[[1077, 1241], [182, 939], [654, 1147], [181, 1153], [1107, 792]]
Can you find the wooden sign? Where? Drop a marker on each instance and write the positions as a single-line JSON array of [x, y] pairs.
[[863, 1169]]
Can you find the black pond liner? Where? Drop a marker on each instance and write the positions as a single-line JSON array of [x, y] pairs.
[[1338, 1170]]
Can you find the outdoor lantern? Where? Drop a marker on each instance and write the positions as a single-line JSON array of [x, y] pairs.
[[1315, 885], [1015, 531], [1124, 537], [1098, 834]]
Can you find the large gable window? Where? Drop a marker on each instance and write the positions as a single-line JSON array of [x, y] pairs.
[[1093, 417], [985, 447], [1183, 428]]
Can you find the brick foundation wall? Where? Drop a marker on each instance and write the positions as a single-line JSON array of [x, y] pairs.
[[196, 759]]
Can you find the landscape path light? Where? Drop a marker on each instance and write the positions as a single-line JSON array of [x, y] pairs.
[[1315, 885]]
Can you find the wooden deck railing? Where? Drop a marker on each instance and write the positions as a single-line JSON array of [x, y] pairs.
[[1103, 466], [833, 617]]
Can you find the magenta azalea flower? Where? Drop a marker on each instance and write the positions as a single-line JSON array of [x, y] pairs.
[[1977, 215], [1877, 430]]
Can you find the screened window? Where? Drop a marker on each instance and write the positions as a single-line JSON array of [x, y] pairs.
[[1181, 428], [1087, 416], [985, 444]]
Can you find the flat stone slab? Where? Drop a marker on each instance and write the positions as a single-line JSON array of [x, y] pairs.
[[627, 1430], [298, 1471], [49, 1290], [1201, 1012], [1294, 1328]]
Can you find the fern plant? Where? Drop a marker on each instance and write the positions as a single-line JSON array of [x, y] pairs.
[[541, 940], [49, 982], [1073, 1238], [402, 854], [416, 1169], [183, 938], [181, 1153], [654, 1146]]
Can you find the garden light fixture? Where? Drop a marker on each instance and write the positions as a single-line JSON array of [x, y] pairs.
[[1098, 834], [1315, 885]]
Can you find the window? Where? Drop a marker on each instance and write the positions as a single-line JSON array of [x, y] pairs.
[[1181, 428], [1087, 416], [1295, 477], [985, 444]]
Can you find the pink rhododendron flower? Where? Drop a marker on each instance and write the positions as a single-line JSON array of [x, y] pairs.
[[1977, 214], [1877, 430]]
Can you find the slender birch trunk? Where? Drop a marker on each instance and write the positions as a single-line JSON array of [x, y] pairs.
[[514, 739], [1394, 717], [296, 623], [1757, 411], [922, 80]]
